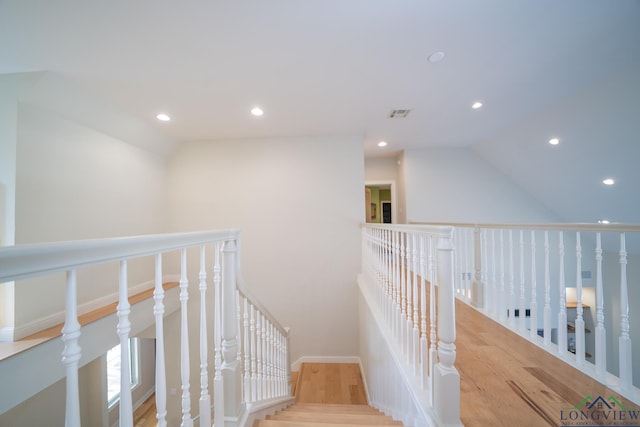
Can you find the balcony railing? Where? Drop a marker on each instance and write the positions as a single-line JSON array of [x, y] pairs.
[[409, 332], [569, 288], [250, 348]]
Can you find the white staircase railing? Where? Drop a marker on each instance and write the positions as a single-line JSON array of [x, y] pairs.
[[566, 287], [408, 288], [251, 349]]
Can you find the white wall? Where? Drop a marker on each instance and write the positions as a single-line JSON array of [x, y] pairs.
[[73, 182], [299, 203], [381, 169], [76, 183], [456, 185], [47, 408]]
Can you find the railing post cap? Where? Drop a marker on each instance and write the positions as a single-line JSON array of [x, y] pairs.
[[229, 246]]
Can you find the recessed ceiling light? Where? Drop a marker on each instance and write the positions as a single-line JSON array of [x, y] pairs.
[[163, 117], [436, 57], [476, 105], [554, 141], [603, 221], [257, 111], [608, 181], [382, 144]]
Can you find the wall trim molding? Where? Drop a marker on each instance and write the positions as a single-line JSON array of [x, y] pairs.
[[295, 366]]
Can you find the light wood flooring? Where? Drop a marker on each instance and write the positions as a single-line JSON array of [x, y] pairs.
[[339, 383], [508, 381], [505, 381], [328, 395], [145, 415]]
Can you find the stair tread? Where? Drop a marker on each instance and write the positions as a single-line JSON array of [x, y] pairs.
[[282, 423], [362, 418], [324, 407]]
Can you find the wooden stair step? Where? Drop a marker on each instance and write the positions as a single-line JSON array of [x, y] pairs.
[[333, 407], [281, 423], [359, 419]]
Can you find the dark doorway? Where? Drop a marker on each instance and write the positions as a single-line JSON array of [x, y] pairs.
[[386, 212]]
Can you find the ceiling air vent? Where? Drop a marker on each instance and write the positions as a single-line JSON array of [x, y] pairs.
[[399, 114]]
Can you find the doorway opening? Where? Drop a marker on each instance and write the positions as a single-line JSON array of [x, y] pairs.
[[380, 206]]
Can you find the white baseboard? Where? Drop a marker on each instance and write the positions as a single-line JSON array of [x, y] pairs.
[[295, 366], [364, 382]]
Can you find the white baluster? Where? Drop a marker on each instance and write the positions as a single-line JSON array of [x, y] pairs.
[[184, 342], [494, 282], [502, 310], [403, 292], [626, 372], [512, 286], [523, 301], [547, 293], [433, 352], [409, 285], [283, 365], [161, 376], [579, 323], [252, 332], [72, 352], [269, 360], [467, 266], [478, 285], [205, 399], [423, 315], [533, 324], [239, 332], [259, 356], [218, 381], [415, 339], [265, 355], [446, 397], [562, 314], [124, 328], [230, 364], [601, 334], [486, 297], [287, 361], [247, 351], [272, 344], [396, 290]]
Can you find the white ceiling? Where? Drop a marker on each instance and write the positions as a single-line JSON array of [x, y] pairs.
[[327, 66]]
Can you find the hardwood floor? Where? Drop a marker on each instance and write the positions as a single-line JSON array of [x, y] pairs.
[[508, 381], [328, 395], [327, 415], [339, 383], [145, 415], [505, 381]]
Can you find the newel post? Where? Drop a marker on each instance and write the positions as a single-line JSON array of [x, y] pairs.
[[477, 287], [231, 372], [446, 379]]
